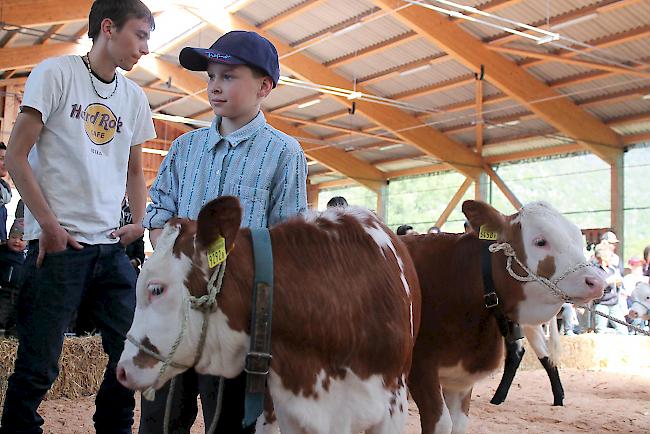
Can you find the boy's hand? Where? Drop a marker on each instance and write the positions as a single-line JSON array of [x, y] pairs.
[[128, 233], [54, 239]]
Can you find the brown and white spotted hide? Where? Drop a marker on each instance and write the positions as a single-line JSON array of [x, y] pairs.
[[459, 340], [345, 316]]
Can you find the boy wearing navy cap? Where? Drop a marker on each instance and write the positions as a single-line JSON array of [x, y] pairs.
[[241, 155]]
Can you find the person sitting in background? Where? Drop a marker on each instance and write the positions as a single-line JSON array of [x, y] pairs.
[[569, 320], [610, 240], [630, 281], [434, 230], [337, 201], [646, 258], [608, 303], [406, 230], [12, 257], [468, 227], [5, 193]]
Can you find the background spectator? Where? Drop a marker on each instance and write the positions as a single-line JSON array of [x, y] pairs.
[[646, 258], [434, 230], [337, 201], [610, 240], [405, 230], [5, 193], [12, 257], [608, 303]]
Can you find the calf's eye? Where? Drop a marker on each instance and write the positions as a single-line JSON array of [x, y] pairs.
[[540, 242], [156, 289]]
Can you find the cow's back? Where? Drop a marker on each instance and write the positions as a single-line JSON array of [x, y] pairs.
[[342, 300]]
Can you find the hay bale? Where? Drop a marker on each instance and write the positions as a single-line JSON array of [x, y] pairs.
[[82, 366]]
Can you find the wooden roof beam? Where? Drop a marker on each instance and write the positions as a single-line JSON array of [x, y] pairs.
[[334, 127], [406, 127], [29, 56], [30, 13], [331, 157], [569, 60], [516, 82], [290, 13]]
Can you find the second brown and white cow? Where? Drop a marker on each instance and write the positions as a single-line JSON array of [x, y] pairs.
[[459, 341], [346, 310]]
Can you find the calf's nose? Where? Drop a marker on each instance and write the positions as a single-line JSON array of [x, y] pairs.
[[121, 376], [596, 285]]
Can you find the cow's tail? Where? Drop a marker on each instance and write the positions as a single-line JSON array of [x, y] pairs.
[[554, 347]]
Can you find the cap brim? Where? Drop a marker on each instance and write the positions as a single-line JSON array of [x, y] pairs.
[[197, 59]]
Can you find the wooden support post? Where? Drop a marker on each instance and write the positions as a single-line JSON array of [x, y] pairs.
[[312, 195], [382, 202], [617, 197], [503, 187], [481, 182], [10, 112], [453, 202]]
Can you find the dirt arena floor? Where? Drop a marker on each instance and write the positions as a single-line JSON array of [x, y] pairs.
[[596, 402]]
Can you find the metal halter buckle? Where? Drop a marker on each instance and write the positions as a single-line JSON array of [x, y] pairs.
[[258, 363], [491, 300]]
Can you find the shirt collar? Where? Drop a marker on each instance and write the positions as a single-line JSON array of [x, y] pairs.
[[238, 136]]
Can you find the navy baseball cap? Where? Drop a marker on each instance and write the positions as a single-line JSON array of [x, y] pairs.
[[235, 48]]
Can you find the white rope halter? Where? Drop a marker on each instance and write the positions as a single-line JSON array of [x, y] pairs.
[[510, 253], [204, 304]]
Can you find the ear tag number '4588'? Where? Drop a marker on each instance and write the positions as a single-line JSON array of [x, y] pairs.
[[217, 252], [485, 234]]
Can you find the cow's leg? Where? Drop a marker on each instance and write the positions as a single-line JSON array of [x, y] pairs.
[[425, 389], [556, 384], [514, 354], [458, 404]]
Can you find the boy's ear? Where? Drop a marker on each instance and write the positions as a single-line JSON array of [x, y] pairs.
[[266, 87]]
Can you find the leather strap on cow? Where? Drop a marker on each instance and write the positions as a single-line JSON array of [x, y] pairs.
[[510, 330], [258, 359]]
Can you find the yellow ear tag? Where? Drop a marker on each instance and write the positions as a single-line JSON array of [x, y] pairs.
[[217, 252], [485, 234]]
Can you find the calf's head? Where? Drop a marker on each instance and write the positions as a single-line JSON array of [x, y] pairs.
[[177, 269], [640, 307], [550, 246]]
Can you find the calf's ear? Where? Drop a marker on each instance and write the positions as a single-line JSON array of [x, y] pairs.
[[480, 213], [220, 217]]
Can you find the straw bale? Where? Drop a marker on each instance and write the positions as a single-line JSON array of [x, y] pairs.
[[82, 366]]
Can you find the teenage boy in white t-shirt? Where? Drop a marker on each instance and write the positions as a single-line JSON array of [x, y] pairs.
[[74, 149]]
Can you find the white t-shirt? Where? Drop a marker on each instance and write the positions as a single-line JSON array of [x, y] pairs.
[[81, 157]]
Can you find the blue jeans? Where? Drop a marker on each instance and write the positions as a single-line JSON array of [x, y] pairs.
[[102, 278]]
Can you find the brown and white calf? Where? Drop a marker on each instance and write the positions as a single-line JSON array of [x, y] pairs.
[[346, 306], [459, 341]]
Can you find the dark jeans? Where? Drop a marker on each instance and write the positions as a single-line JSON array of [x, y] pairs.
[[102, 278], [184, 407]]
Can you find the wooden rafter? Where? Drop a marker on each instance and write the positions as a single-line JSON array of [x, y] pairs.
[[27, 57], [491, 6], [517, 83], [373, 49], [569, 60], [290, 13], [45, 37], [329, 156], [403, 125], [454, 202], [334, 127], [29, 13], [503, 187]]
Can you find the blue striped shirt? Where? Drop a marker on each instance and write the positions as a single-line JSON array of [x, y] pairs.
[[265, 168]]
